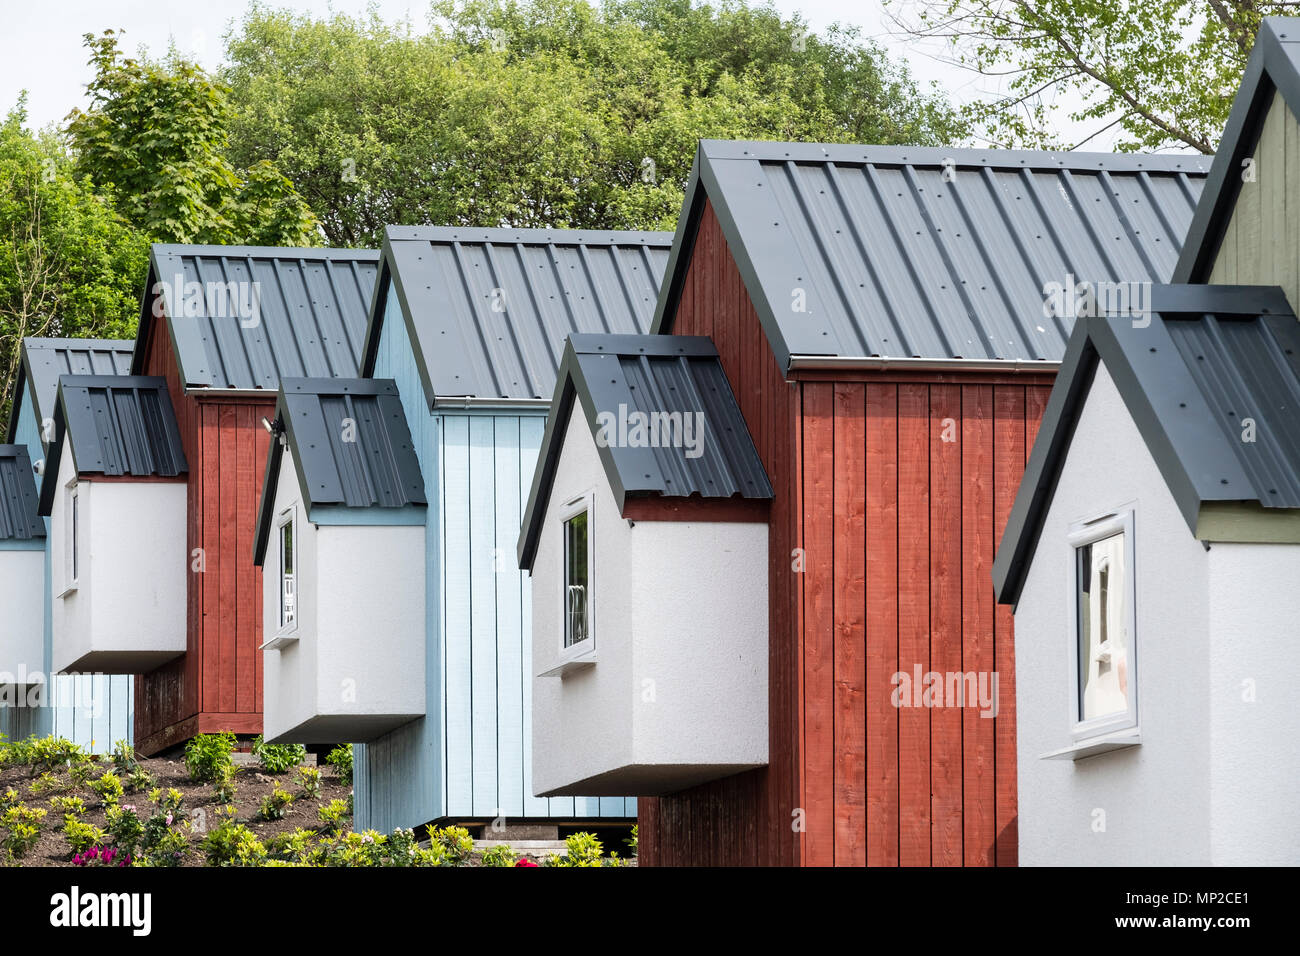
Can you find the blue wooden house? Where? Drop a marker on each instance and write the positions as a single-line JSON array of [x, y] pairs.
[[471, 325], [91, 710]]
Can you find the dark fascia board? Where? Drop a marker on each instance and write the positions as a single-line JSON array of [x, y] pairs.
[[1274, 65], [270, 483], [28, 478], [25, 379], [1151, 377], [557, 423]]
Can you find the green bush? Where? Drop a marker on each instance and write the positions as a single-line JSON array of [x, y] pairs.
[[500, 855], [232, 844], [22, 826], [10, 798], [47, 783], [108, 786], [125, 827], [208, 755], [457, 845], [139, 780], [295, 847], [340, 758], [276, 804], [225, 790], [68, 806], [47, 753], [332, 815], [168, 847], [123, 757], [583, 849], [278, 758], [309, 780], [81, 836]]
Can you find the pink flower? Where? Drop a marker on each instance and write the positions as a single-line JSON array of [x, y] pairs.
[[524, 861]]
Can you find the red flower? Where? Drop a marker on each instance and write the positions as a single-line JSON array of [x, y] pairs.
[[524, 861]]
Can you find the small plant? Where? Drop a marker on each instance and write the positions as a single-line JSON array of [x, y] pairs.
[[276, 804], [278, 758], [47, 783], [167, 801], [109, 788], [295, 847], [225, 790], [80, 774], [208, 755], [457, 845], [500, 855], [169, 848], [581, 849], [102, 856], [358, 849], [309, 781], [125, 827], [332, 815], [632, 841], [68, 806], [22, 827], [123, 757], [9, 798], [82, 836], [47, 753], [340, 758], [233, 844], [139, 780]]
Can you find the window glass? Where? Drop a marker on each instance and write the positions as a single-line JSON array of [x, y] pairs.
[[286, 574], [576, 619], [1103, 638]]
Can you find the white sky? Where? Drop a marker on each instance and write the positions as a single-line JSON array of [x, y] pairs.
[[41, 43]]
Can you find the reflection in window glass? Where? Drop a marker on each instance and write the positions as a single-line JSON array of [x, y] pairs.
[[576, 619], [1103, 639]]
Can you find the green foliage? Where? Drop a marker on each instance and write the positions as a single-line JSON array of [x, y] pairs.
[[9, 798], [123, 757], [48, 753], [309, 781], [139, 780], [500, 855], [278, 758], [125, 827], [554, 113], [340, 758], [164, 845], [276, 803], [22, 826], [333, 814], [47, 783], [155, 138], [80, 774], [207, 756], [457, 845], [108, 786], [232, 844], [81, 836], [225, 790], [1164, 71], [294, 847], [583, 849], [68, 806], [633, 840], [168, 800]]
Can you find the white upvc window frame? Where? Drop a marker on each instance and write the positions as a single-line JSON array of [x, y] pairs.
[[583, 653], [1119, 729], [74, 556], [288, 630]]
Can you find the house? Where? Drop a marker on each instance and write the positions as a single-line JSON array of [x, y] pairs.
[[1152, 553], [879, 315], [470, 324], [221, 325], [114, 491], [22, 590], [646, 538], [91, 710], [342, 523]]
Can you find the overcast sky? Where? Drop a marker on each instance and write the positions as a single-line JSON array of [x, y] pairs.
[[41, 47]]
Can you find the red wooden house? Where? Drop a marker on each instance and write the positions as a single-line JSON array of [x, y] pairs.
[[222, 325], [880, 316]]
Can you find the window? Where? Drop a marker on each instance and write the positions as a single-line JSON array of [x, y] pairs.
[[74, 534], [1104, 647], [577, 621], [288, 574]]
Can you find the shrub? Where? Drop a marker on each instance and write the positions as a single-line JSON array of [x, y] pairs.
[[123, 757], [46, 753], [82, 836], [332, 815], [139, 780], [68, 806], [309, 780], [456, 843], [208, 755], [109, 787], [169, 847], [225, 790], [102, 856], [295, 847], [581, 849], [278, 758], [232, 844], [22, 827], [340, 758], [167, 801], [125, 827], [500, 855], [276, 804], [632, 841], [47, 783], [10, 798], [80, 774], [357, 849]]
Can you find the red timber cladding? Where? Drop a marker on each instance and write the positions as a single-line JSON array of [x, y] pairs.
[[217, 684], [896, 487]]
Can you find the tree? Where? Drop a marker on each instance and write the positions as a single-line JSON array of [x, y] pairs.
[[155, 139], [1164, 72], [547, 113], [69, 264]]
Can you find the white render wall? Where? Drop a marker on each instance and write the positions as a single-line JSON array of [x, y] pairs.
[[357, 667], [678, 693], [22, 623], [1213, 781], [127, 613]]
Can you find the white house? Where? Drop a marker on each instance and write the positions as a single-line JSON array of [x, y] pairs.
[[114, 490], [22, 575], [340, 540], [646, 538], [1153, 558]]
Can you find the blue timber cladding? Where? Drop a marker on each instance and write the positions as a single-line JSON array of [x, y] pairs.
[[471, 755], [307, 318], [924, 253], [20, 521]]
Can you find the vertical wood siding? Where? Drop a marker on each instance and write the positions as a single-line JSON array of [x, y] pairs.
[[91, 710], [896, 488], [470, 756], [217, 684]]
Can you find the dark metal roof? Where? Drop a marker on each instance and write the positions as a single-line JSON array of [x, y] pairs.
[[624, 376], [351, 447], [926, 253], [19, 513], [487, 310], [43, 361], [114, 426], [1274, 64], [1211, 357], [310, 316]]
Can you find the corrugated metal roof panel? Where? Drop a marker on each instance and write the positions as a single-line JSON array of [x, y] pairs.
[[122, 425], [44, 361], [489, 309], [19, 513], [859, 251], [665, 421], [244, 317]]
